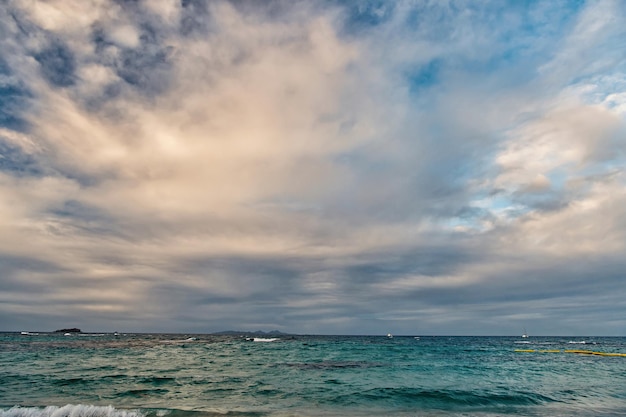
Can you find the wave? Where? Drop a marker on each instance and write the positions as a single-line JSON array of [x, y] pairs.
[[261, 339], [70, 410], [453, 399], [82, 410], [328, 365]]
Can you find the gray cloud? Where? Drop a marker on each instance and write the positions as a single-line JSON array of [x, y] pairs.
[[314, 168]]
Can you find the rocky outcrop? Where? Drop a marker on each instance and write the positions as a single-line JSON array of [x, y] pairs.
[[73, 330]]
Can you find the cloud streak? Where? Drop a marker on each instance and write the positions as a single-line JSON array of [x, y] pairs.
[[316, 168]]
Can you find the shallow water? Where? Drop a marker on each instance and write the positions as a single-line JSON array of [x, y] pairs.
[[158, 375]]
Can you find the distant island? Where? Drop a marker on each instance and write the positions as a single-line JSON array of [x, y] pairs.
[[72, 330]]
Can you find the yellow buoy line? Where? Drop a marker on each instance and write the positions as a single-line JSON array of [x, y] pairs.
[[580, 352]]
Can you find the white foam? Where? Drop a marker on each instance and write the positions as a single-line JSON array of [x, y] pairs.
[[69, 410]]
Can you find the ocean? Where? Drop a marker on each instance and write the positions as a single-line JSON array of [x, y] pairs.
[[158, 375]]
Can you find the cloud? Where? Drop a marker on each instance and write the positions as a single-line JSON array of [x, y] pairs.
[[310, 167]]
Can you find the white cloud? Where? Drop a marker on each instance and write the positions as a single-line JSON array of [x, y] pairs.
[[20, 140], [125, 35], [167, 10], [569, 138], [62, 15]]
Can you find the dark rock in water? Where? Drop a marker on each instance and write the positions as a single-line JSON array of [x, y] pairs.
[[73, 330]]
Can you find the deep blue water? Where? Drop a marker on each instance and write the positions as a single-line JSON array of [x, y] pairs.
[[51, 375]]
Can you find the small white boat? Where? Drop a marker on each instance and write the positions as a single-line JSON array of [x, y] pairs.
[[389, 335], [524, 335]]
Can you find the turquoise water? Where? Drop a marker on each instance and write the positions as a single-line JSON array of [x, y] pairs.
[[51, 375]]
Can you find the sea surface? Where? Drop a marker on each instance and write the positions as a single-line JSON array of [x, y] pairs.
[[158, 375]]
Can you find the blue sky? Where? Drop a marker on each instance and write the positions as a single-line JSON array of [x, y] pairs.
[[413, 167]]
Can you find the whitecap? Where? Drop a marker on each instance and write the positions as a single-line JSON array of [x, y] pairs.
[[264, 339], [70, 410]]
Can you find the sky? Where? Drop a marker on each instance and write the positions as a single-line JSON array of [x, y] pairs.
[[329, 167]]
